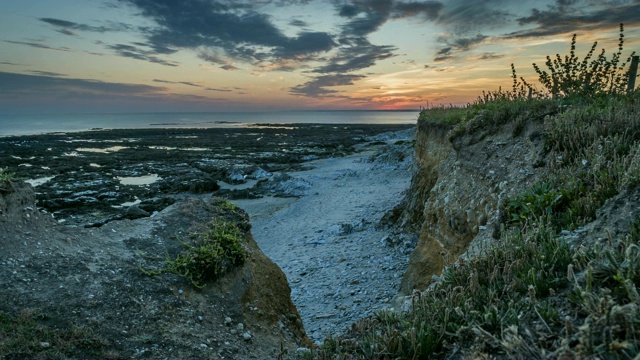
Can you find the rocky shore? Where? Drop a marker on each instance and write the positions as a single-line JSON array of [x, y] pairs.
[[91, 178], [108, 202]]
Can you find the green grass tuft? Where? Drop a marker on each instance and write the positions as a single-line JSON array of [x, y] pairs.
[[206, 255]]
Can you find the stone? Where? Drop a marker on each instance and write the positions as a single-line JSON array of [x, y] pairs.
[[134, 212]]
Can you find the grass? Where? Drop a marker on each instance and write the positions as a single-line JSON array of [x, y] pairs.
[[5, 178], [534, 294], [531, 295], [27, 336], [208, 254]]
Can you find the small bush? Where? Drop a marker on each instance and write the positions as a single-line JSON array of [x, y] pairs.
[[5, 175], [571, 79], [206, 255], [5, 179]]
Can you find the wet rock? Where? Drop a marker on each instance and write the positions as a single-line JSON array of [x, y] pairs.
[[285, 185], [260, 174], [134, 212], [236, 176]]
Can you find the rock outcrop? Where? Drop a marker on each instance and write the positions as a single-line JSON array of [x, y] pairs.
[[91, 279], [457, 187]]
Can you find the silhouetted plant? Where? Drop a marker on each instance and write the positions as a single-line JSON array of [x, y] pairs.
[[572, 78]]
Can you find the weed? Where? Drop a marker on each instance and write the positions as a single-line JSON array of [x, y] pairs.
[[207, 255], [5, 179], [571, 79], [5, 175]]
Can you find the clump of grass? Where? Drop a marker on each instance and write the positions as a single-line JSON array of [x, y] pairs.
[[5, 178], [26, 336], [206, 255], [6, 175], [441, 114]]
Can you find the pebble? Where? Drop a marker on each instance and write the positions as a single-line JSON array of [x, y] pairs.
[[246, 336], [227, 321]]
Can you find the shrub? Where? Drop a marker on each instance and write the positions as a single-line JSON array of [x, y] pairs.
[[5, 175], [570, 78], [5, 179], [207, 255]]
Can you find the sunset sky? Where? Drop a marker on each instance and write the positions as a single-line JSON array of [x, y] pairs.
[[251, 55]]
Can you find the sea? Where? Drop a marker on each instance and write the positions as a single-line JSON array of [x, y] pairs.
[[32, 124]]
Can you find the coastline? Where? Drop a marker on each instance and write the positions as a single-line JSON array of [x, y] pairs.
[[26, 124], [329, 242]]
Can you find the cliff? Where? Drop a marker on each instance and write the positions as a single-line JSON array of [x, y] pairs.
[[458, 184], [81, 293], [529, 225]]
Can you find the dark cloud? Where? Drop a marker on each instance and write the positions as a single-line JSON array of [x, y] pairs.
[[188, 83], [298, 23], [20, 92], [137, 53], [490, 56], [236, 29], [318, 86], [66, 27], [569, 16], [217, 89], [46, 73], [431, 10], [228, 67], [457, 45], [12, 83], [9, 63], [38, 45], [463, 16], [365, 16], [354, 58]]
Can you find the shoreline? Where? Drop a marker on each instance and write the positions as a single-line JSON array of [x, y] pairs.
[[328, 241], [24, 124], [83, 169]]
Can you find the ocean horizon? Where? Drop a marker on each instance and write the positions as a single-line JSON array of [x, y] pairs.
[[34, 124]]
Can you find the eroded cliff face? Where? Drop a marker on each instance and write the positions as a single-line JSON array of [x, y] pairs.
[[457, 187]]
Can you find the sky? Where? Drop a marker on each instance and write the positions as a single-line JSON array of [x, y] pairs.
[[61, 56]]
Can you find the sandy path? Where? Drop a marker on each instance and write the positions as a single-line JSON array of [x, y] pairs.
[[338, 265]]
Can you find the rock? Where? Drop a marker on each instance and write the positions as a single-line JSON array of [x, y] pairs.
[[246, 336], [236, 176], [260, 174], [134, 212]]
